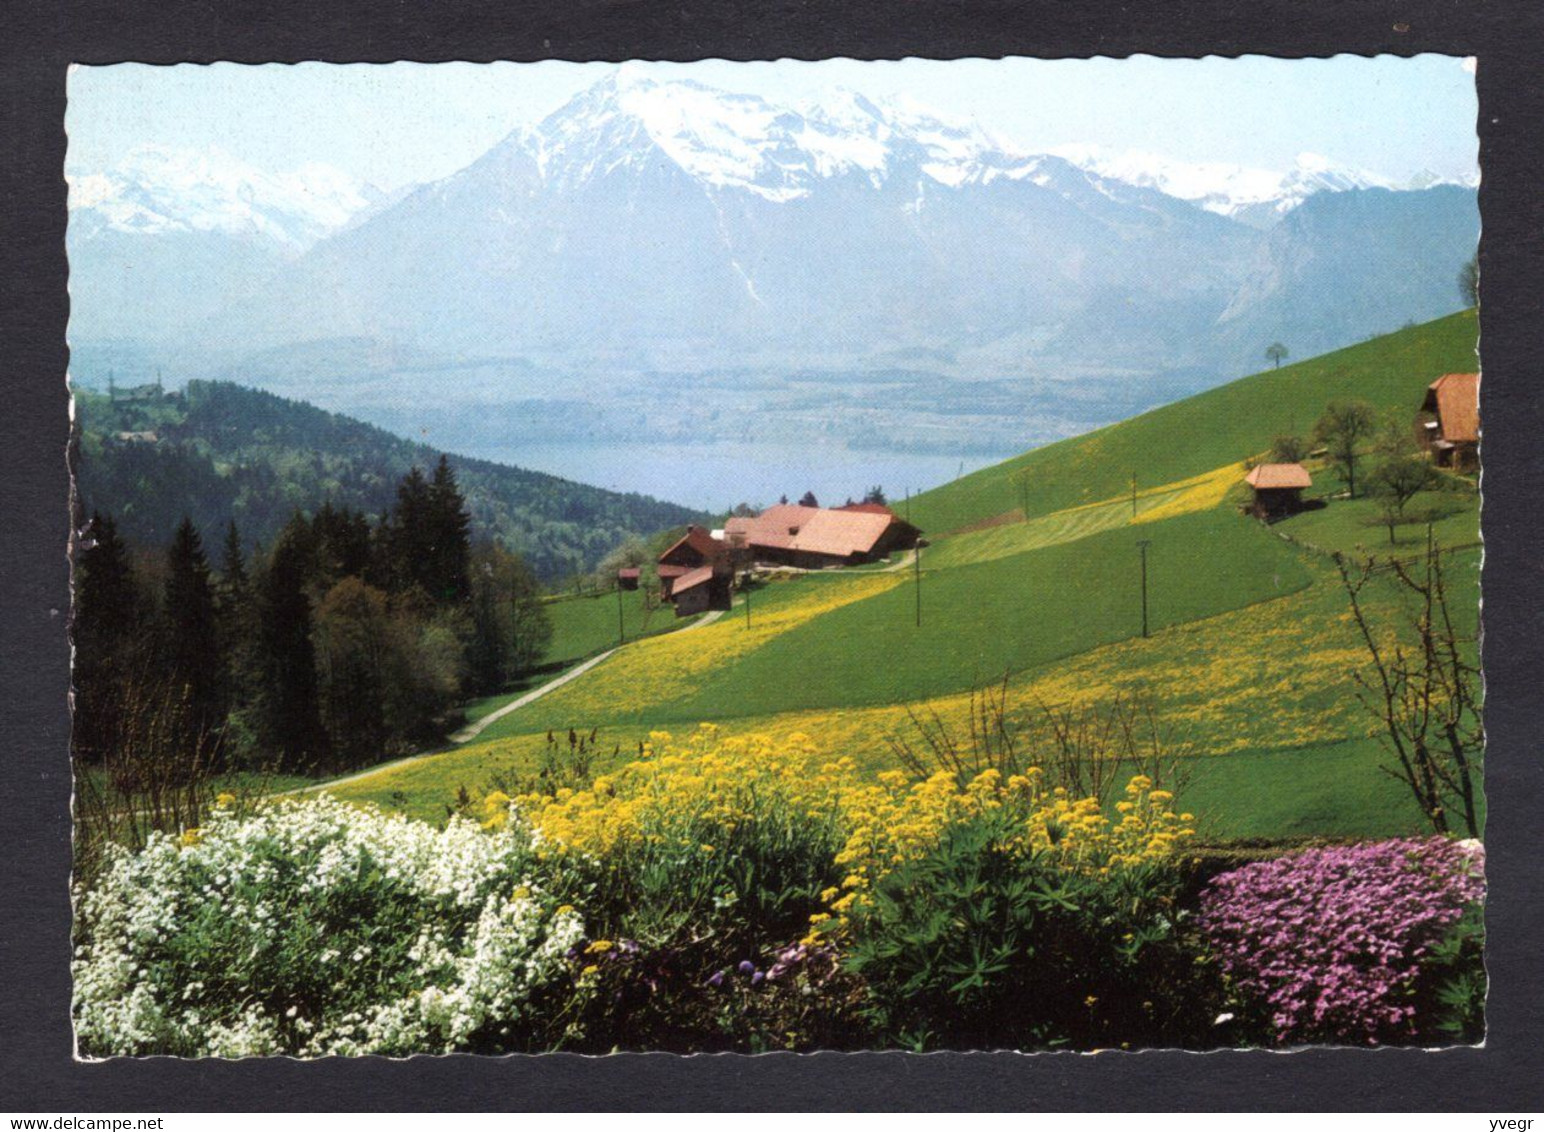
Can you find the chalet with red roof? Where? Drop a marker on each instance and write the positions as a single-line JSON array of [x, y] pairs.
[[695, 573], [815, 538], [1448, 426]]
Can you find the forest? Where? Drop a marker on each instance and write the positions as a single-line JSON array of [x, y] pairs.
[[217, 452], [345, 640]]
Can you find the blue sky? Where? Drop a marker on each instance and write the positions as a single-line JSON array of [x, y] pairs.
[[407, 122]]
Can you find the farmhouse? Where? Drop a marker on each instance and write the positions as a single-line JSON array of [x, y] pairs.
[[817, 537], [693, 550], [700, 590], [1278, 489], [1448, 426], [694, 572]]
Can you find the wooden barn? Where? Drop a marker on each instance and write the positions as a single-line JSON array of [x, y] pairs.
[[693, 550], [1278, 490], [1448, 426], [702, 589], [814, 538], [627, 577]]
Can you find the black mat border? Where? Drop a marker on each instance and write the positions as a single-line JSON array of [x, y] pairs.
[[41, 38]]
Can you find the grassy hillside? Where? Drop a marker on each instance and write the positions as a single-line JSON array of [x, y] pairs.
[[1221, 426], [226, 452], [1250, 663]]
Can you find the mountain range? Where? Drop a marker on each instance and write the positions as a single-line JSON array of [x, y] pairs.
[[647, 233]]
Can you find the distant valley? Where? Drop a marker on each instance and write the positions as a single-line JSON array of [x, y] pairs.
[[663, 263]]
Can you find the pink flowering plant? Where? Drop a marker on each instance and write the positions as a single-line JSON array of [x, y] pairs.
[[1348, 943]]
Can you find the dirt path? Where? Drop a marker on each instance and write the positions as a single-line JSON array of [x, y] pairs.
[[472, 730], [707, 618], [901, 565]]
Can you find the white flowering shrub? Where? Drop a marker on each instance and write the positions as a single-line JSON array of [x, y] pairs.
[[313, 928]]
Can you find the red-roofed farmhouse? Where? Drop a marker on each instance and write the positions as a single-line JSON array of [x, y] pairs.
[[1449, 423]]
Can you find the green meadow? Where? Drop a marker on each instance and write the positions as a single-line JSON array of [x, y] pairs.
[[1220, 426], [1250, 659]]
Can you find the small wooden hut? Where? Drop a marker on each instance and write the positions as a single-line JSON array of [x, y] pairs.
[[1278, 490]]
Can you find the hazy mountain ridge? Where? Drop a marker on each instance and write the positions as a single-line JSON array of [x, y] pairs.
[[218, 452]]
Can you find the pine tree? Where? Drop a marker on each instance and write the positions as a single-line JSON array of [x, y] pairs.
[[380, 566], [105, 631], [451, 539], [288, 721], [189, 638], [106, 597], [411, 537], [234, 582], [343, 545], [236, 606]]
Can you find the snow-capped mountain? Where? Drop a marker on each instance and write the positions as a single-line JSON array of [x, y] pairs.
[[670, 219], [156, 189], [168, 236], [666, 225], [779, 153], [1255, 196]]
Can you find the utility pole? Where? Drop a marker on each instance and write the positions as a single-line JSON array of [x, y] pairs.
[[747, 588], [908, 504], [621, 621], [1142, 545], [916, 562], [1133, 497]]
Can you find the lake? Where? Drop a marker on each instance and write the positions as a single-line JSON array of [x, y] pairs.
[[717, 475]]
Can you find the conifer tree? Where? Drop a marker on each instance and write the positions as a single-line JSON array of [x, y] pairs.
[[234, 582], [289, 723], [411, 534], [451, 539], [105, 630], [235, 604], [189, 639], [380, 567]]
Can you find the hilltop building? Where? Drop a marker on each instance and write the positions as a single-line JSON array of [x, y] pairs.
[[1278, 489], [815, 538], [695, 573], [692, 551], [1448, 426], [700, 590]]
